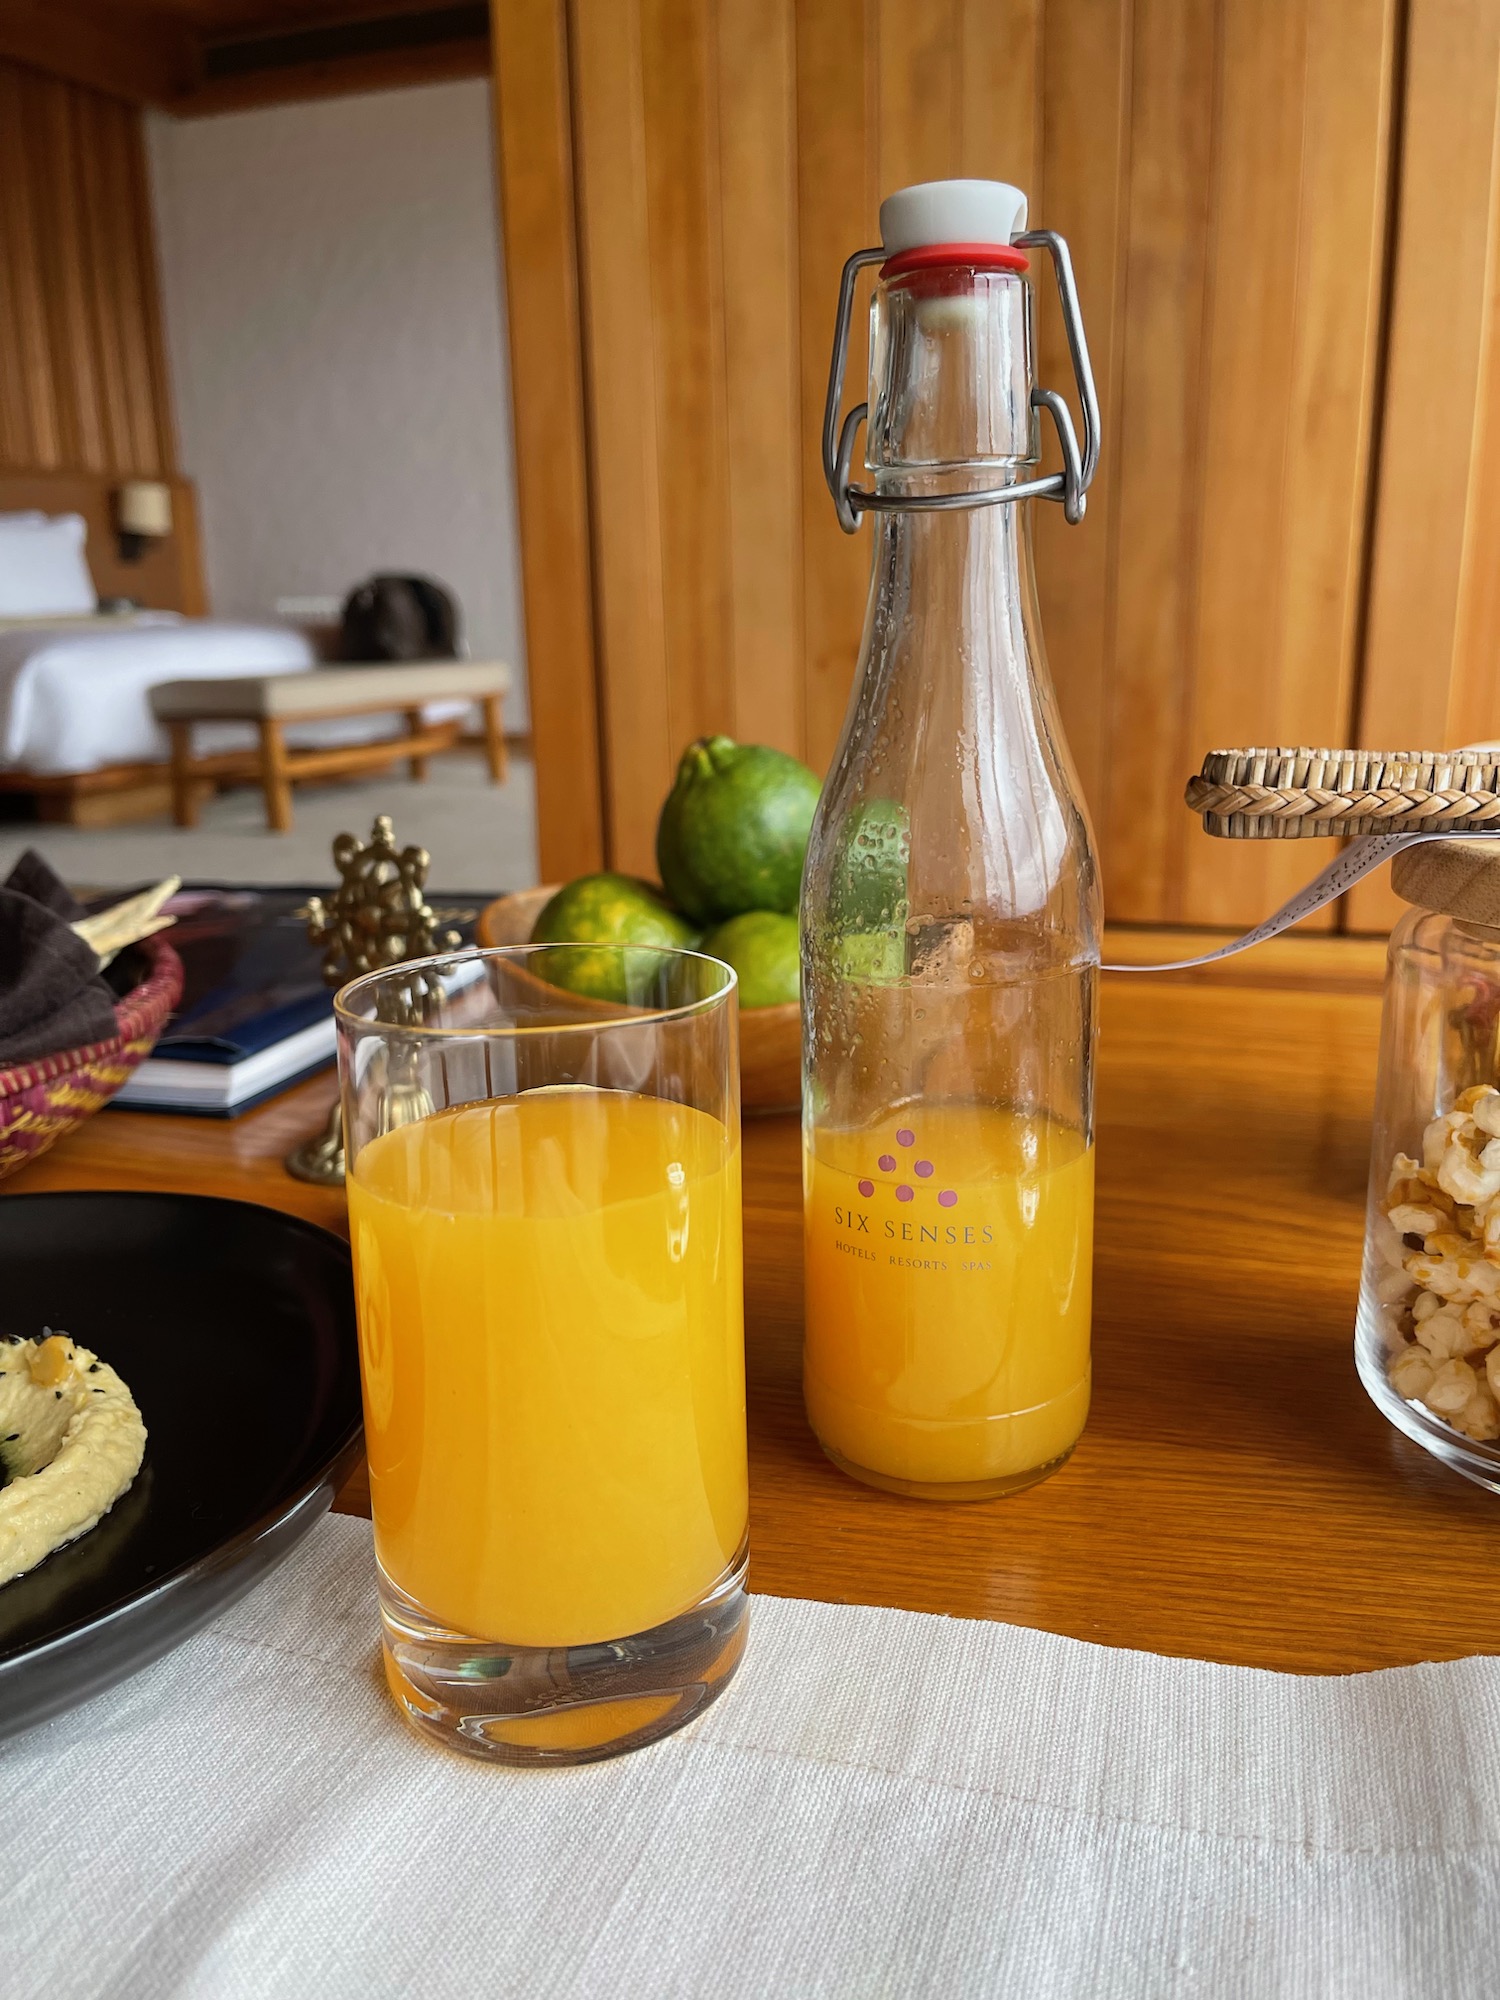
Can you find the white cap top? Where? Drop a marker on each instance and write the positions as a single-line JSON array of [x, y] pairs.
[[951, 212]]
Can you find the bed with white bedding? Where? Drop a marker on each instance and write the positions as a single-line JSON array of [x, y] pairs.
[[75, 709], [74, 691]]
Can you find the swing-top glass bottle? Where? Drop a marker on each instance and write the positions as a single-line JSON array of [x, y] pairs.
[[950, 911]]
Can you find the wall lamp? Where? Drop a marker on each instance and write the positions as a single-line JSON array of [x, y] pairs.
[[143, 513]]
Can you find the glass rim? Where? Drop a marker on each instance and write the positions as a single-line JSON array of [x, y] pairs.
[[617, 1017]]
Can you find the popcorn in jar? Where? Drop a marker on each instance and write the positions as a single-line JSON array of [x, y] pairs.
[[1428, 1339]]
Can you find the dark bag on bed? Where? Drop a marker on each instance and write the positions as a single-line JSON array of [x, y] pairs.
[[400, 618]]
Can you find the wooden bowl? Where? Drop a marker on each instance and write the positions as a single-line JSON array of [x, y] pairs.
[[770, 1037]]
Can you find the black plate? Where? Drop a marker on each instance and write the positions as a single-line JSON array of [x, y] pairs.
[[234, 1327]]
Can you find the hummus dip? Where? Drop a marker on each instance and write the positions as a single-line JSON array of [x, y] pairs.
[[71, 1442]]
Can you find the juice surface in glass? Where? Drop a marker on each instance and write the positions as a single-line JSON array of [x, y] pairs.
[[551, 1334], [949, 1252]]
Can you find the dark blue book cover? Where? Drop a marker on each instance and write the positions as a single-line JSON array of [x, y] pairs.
[[251, 977]]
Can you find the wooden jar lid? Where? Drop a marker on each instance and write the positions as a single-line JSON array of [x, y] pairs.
[[1459, 877]]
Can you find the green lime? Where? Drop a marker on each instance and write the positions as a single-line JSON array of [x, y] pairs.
[[609, 909], [762, 947], [733, 833], [876, 957], [868, 891]]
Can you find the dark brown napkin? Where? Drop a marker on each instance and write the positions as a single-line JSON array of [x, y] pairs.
[[52, 996]]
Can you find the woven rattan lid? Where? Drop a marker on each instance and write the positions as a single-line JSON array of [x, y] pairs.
[[1296, 794], [1459, 877]]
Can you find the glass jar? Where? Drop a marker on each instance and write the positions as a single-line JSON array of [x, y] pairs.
[[1428, 1337]]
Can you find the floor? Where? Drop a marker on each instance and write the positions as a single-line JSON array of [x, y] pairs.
[[480, 836]]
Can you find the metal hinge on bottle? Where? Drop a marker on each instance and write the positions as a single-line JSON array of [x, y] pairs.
[[1070, 485]]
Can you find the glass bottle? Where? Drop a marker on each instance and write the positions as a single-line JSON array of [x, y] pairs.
[[950, 903]]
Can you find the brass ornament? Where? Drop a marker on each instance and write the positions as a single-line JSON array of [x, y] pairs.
[[321, 1159], [378, 917]]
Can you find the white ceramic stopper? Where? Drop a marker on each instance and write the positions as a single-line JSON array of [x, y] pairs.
[[951, 212]]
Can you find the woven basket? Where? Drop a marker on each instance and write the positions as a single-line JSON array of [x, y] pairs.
[[42, 1099], [1297, 794]]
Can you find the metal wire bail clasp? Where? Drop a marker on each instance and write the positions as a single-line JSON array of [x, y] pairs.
[[1070, 485]]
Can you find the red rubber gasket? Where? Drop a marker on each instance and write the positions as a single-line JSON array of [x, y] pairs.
[[979, 256]]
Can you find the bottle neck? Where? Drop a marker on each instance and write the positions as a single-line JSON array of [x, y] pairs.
[[951, 374], [954, 683], [955, 627]]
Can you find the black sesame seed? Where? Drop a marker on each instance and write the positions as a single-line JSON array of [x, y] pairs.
[[13, 1436], [93, 1368], [58, 1394], [96, 1392]]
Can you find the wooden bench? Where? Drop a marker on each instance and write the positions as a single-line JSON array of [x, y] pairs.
[[272, 701]]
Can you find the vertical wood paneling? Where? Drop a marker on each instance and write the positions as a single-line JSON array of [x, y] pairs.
[[679, 106], [148, 387], [1085, 83], [64, 262], [1238, 683], [1221, 170], [1430, 678], [624, 427], [999, 47], [98, 188], [757, 102], [1146, 660], [1296, 243], [534, 162], [919, 86], [837, 214], [82, 375], [28, 421]]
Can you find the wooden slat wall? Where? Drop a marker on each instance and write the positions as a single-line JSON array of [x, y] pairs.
[[535, 165], [1221, 170], [82, 377], [1432, 669]]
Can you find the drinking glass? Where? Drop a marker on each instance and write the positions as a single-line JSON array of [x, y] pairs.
[[542, 1148]]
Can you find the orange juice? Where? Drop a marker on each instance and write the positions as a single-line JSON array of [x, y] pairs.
[[948, 1295], [552, 1350]]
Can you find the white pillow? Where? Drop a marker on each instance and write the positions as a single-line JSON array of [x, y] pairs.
[[43, 570]]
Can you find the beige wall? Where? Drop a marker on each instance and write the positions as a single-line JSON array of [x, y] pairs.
[[332, 291]]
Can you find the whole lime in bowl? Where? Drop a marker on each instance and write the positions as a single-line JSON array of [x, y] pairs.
[[733, 833], [609, 909], [762, 947]]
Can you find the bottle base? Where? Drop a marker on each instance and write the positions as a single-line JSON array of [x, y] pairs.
[[562, 1704], [949, 1490]]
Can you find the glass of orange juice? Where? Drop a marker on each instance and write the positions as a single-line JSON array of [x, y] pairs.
[[542, 1149]]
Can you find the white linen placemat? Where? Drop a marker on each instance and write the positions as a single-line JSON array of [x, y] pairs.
[[884, 1803]]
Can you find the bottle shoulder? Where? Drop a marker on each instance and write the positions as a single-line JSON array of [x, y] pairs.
[[954, 852]]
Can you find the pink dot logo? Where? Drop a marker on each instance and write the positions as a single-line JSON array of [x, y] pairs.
[[923, 1169]]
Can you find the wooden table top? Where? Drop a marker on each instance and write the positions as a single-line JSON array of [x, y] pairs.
[[1235, 1496]]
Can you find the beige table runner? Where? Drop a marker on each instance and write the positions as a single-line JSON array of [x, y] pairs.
[[884, 1804]]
